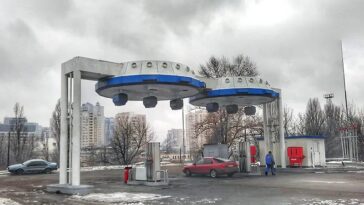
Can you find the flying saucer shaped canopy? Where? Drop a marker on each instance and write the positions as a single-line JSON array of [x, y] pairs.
[[240, 91], [151, 81]]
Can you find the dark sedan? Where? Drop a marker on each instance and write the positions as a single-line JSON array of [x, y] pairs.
[[33, 166]]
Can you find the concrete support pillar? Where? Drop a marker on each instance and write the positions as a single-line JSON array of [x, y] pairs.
[[248, 155], [64, 130], [76, 125], [281, 131]]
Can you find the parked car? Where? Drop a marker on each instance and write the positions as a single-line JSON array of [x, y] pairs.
[[33, 166], [212, 166]]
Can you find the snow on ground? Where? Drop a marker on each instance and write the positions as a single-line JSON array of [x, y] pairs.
[[329, 202], [206, 201], [347, 164], [4, 201], [120, 197], [4, 172], [94, 168], [357, 172], [323, 182]]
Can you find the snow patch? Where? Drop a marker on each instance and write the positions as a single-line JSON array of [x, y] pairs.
[[120, 197], [330, 202], [206, 201], [4, 201], [95, 168], [326, 182], [358, 172]]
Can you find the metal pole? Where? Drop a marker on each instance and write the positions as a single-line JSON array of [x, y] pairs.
[[356, 147], [8, 163], [183, 130], [343, 66], [64, 130], [281, 131], [180, 156], [76, 132], [350, 148], [345, 148]]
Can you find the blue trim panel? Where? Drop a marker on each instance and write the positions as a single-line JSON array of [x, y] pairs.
[[298, 137], [139, 79], [242, 91]]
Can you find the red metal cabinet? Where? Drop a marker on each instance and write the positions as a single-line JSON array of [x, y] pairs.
[[253, 154], [295, 156]]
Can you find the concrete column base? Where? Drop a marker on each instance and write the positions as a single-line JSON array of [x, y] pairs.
[[69, 189]]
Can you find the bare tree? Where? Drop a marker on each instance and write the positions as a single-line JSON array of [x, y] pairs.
[[361, 135], [223, 128], [130, 139], [222, 67], [103, 156], [56, 129], [354, 121], [333, 121], [300, 124], [167, 144], [288, 124], [314, 118], [3, 151], [45, 150], [22, 143]]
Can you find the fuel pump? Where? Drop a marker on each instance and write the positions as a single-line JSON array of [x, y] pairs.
[[152, 162], [244, 156]]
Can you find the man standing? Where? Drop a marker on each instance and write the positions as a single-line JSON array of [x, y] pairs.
[[269, 162]]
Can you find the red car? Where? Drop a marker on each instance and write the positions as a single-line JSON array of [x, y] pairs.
[[212, 166]]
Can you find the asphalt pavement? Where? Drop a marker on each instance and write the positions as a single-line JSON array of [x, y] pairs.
[[284, 188]]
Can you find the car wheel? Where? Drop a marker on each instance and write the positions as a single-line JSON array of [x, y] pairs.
[[213, 173], [230, 175], [19, 171], [188, 173], [47, 171]]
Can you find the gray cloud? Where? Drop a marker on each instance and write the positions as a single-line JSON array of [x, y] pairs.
[[178, 16], [296, 45]]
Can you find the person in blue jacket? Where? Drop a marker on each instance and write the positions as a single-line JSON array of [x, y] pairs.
[[269, 162]]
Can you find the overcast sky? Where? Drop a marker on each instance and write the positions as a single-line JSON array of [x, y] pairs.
[[295, 44]]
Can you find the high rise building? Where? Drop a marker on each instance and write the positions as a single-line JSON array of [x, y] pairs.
[[174, 141], [30, 139], [92, 125], [132, 117], [28, 128], [109, 130], [193, 117]]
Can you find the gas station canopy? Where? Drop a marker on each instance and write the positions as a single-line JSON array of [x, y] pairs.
[[152, 81]]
